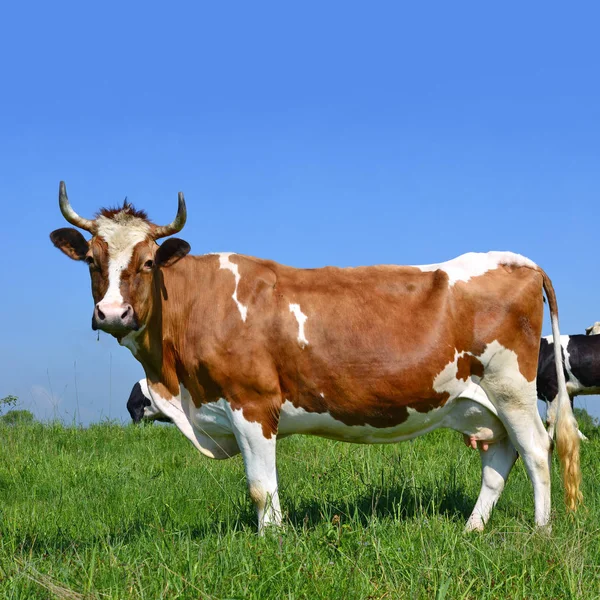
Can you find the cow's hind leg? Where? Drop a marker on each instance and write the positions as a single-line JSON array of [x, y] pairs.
[[496, 463], [258, 452], [516, 402]]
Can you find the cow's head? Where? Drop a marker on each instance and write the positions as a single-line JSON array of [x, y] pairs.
[[123, 258], [593, 329], [141, 407]]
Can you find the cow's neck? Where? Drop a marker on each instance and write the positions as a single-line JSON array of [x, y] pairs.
[[159, 345]]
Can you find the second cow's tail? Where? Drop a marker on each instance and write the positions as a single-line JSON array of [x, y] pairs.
[[567, 437]]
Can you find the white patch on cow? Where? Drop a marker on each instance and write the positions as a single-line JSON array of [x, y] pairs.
[[573, 384], [594, 329], [150, 412], [474, 264], [454, 414], [212, 426], [130, 340], [322, 395], [258, 453], [121, 233], [446, 380], [179, 409], [301, 318], [225, 263], [212, 417]]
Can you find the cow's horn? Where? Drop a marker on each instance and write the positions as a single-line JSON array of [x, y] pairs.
[[177, 224], [69, 214]]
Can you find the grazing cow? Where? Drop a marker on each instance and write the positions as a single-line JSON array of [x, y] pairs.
[[581, 369], [239, 351], [141, 406]]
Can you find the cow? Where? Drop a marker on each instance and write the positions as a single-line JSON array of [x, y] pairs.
[[141, 406], [581, 369], [593, 329], [240, 351]]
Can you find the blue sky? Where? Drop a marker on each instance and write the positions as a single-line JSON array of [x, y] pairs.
[[314, 134]]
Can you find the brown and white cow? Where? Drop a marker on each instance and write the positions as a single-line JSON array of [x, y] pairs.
[[239, 351]]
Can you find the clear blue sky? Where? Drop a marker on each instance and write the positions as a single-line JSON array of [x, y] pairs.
[[312, 134]]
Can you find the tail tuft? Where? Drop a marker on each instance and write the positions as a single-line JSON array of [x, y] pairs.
[[567, 445], [567, 433]]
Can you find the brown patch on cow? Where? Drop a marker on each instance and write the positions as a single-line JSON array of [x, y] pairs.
[[98, 251], [477, 368], [468, 365], [161, 389]]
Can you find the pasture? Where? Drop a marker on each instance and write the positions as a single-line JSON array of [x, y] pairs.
[[135, 512]]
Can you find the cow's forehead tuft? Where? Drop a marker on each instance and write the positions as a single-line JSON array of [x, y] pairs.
[[123, 211], [122, 231]]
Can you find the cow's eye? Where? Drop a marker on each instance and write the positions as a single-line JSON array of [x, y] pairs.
[[89, 260], [149, 264]]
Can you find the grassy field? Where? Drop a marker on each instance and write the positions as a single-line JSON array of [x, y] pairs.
[[136, 512]]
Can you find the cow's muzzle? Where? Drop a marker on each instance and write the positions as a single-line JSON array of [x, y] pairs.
[[117, 319]]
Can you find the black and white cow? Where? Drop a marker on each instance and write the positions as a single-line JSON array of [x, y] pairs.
[[141, 406], [581, 364]]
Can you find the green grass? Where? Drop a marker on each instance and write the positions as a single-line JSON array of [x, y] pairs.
[[136, 512]]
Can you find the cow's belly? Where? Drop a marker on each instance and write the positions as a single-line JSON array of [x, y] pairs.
[[297, 420], [471, 413]]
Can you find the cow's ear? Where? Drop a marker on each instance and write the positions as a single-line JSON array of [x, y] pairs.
[[170, 252], [71, 242]]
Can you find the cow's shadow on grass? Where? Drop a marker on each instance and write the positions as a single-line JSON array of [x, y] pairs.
[[398, 502], [395, 502]]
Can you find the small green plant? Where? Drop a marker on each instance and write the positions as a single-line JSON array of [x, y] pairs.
[[587, 424], [8, 401], [17, 417]]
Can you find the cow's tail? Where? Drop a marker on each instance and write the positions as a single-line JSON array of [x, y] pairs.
[[567, 437]]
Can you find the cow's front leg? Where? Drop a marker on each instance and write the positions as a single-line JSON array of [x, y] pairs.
[[258, 451]]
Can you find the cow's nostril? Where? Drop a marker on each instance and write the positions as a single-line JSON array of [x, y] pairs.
[[101, 315], [127, 310]]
